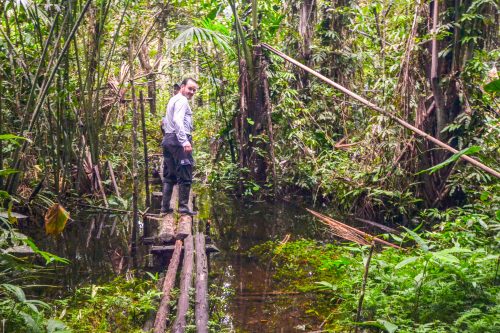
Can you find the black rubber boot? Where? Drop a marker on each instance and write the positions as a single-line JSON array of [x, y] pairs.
[[184, 191], [165, 200]]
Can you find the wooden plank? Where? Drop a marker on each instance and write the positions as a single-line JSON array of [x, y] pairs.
[[201, 293], [168, 283], [185, 286]]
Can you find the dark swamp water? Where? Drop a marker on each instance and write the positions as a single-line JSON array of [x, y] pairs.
[[97, 246]]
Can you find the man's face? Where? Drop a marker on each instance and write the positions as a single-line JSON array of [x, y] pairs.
[[189, 89]]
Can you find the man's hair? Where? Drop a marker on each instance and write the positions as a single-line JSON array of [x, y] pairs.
[[186, 80]]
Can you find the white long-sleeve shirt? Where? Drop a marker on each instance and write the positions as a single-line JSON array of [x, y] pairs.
[[178, 118]]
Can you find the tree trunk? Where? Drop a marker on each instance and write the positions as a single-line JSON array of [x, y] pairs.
[[306, 30], [252, 121]]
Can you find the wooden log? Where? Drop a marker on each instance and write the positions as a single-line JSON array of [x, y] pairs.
[[185, 286], [166, 228], [168, 283], [184, 227], [201, 297]]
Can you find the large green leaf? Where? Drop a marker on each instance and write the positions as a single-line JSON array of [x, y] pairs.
[[14, 290], [388, 326], [418, 239], [467, 151], [54, 325], [12, 137], [406, 262], [200, 35], [6, 172]]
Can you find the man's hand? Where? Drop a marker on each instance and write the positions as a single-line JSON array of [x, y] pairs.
[[188, 148]]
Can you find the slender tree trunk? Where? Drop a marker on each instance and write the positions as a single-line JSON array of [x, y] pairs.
[[441, 118], [135, 219], [145, 147], [306, 30]]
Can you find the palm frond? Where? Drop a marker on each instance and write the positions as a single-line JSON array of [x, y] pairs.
[[201, 35]]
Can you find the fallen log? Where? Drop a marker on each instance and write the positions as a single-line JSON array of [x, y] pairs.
[[201, 294], [184, 227], [168, 283], [185, 286]]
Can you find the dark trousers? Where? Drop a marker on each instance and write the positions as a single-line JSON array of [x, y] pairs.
[[177, 164]]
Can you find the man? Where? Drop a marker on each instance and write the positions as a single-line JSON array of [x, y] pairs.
[[177, 148], [176, 88]]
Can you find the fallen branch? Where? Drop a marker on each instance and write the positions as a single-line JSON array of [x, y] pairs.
[[347, 232]]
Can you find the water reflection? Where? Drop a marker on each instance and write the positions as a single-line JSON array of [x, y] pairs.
[[97, 246], [255, 302]]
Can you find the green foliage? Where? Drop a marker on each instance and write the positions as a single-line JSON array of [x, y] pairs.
[[19, 312], [446, 284], [118, 306]]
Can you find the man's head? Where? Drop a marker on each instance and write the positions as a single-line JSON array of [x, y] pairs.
[[188, 87]]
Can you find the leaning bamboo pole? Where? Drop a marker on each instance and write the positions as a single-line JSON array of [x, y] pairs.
[[384, 112]]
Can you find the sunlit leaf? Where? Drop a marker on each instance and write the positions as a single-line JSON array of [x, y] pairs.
[[417, 239], [406, 262], [388, 326], [6, 172], [55, 219], [11, 137], [54, 326], [14, 290]]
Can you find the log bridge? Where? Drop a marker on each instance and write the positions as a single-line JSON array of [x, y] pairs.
[[170, 239]]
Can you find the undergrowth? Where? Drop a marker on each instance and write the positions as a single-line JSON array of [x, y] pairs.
[[447, 282]]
